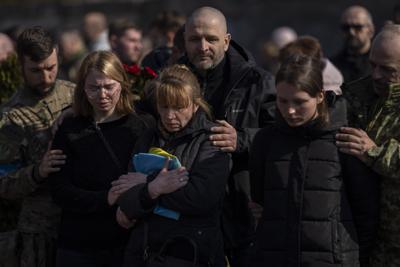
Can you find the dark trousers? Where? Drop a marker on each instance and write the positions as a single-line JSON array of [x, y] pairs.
[[241, 257], [94, 258]]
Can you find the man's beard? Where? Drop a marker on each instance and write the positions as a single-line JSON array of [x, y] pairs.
[[41, 90], [127, 58], [354, 43]]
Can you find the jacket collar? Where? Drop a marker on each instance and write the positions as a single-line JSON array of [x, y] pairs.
[[393, 98], [314, 128], [238, 61]]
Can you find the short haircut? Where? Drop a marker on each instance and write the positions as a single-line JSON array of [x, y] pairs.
[[168, 21], [108, 64], [35, 43], [119, 27]]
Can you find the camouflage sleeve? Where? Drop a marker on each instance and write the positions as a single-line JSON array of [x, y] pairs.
[[16, 174], [385, 159]]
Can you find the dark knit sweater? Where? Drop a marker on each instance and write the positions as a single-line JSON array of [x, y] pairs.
[[81, 187]]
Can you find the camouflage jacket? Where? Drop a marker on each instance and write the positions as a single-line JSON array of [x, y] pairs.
[[380, 118], [25, 132]]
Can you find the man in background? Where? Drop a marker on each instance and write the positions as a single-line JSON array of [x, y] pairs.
[[358, 30], [126, 41]]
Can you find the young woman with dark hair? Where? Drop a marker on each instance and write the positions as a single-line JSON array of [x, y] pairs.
[[320, 207]]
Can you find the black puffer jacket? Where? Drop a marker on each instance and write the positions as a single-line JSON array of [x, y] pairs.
[[320, 206], [199, 202]]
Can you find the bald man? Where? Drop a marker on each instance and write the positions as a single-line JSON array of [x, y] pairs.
[[374, 112], [358, 30], [241, 95]]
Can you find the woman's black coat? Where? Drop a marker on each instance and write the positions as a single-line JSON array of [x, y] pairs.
[[199, 202], [320, 206]]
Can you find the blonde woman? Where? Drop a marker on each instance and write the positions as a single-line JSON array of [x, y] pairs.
[[194, 191], [97, 141]]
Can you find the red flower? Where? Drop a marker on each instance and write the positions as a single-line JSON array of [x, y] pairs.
[[138, 77], [134, 69], [151, 72]]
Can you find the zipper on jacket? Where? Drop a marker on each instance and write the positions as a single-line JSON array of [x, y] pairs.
[[304, 175], [225, 103]]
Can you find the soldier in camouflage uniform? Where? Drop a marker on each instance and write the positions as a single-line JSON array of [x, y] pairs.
[[374, 106], [25, 131]]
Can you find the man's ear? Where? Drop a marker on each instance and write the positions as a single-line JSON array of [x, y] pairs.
[[227, 40]]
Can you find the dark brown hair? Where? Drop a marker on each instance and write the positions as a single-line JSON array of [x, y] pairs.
[[304, 73], [108, 64], [35, 43], [168, 21], [119, 27], [304, 45]]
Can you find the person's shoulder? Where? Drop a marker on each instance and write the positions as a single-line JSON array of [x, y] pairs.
[[12, 112], [15, 100], [265, 134], [261, 73], [74, 124], [143, 120], [267, 130], [63, 85], [4, 119], [359, 85], [338, 57]]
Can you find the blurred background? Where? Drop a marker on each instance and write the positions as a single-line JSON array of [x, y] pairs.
[[250, 21]]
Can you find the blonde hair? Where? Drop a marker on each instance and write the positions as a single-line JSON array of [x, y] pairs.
[[108, 64], [177, 87]]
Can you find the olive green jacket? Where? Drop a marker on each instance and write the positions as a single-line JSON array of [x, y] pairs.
[[25, 131], [380, 118]]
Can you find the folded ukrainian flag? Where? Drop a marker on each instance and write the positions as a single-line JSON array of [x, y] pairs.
[[154, 161]]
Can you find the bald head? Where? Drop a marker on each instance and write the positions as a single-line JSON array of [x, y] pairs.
[[6, 46], [208, 14], [206, 38], [390, 34], [358, 13], [385, 58]]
